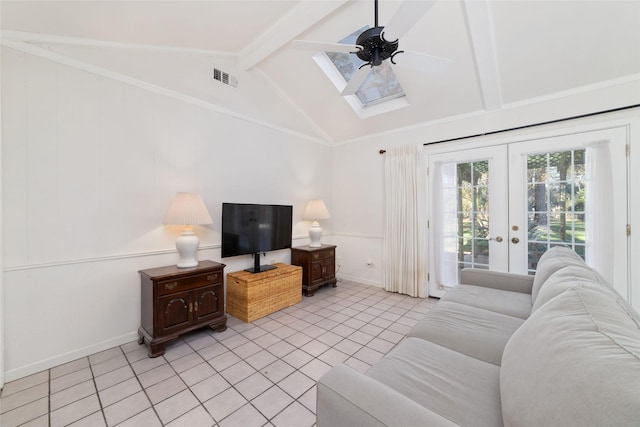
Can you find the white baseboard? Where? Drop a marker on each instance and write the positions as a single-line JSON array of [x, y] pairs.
[[41, 365], [358, 280]]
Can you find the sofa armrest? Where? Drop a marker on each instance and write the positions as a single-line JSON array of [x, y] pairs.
[[347, 398], [496, 279]]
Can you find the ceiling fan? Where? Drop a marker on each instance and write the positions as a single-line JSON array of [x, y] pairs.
[[377, 44]]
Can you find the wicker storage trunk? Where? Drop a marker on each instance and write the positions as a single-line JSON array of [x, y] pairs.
[[251, 296]]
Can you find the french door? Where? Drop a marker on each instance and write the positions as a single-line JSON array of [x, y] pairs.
[[502, 207]]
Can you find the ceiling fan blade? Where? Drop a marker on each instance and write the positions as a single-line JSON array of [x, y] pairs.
[[325, 47], [422, 62], [405, 18], [356, 81]]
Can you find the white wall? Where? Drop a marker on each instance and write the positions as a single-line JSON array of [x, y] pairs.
[[89, 166], [358, 168]]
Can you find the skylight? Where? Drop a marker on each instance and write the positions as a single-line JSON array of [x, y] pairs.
[[380, 86]]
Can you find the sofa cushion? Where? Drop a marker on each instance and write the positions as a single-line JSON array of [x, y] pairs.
[[551, 261], [566, 278], [575, 361], [348, 398], [473, 331], [458, 387], [515, 304]]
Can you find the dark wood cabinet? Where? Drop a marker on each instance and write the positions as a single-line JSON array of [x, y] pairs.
[[318, 266], [178, 300]]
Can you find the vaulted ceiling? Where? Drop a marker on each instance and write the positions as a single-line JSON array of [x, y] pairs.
[[503, 53]]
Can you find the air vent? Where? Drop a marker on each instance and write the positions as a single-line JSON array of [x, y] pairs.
[[225, 78]]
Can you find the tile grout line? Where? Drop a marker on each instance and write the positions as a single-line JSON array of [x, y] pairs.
[[95, 385]]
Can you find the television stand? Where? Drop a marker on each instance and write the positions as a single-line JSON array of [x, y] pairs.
[[252, 296], [257, 268]]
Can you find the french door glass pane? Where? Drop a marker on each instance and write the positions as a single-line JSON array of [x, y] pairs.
[[472, 213], [555, 203]]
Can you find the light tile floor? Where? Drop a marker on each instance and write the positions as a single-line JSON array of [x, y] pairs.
[[262, 373]]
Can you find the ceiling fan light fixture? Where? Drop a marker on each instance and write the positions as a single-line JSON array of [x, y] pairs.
[[375, 49]]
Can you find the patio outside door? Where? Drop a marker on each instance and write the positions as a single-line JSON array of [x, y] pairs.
[[502, 207]]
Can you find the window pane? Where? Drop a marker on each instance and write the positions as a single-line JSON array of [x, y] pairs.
[[481, 173], [537, 197], [560, 162], [537, 227], [560, 197], [482, 199], [463, 173], [579, 225], [481, 225], [481, 251], [535, 252], [537, 168]]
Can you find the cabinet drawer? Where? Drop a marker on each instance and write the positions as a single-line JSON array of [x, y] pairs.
[[318, 255], [183, 284]]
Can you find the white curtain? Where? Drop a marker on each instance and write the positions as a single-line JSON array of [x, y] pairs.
[[599, 202], [445, 233], [405, 256]]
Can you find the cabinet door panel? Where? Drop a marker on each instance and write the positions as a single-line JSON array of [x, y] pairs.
[[174, 312], [329, 268], [208, 303], [317, 271]]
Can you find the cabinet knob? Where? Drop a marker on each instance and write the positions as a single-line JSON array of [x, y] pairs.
[[190, 308], [212, 277], [171, 286]]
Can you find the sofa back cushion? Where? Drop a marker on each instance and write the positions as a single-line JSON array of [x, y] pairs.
[[566, 278], [575, 361], [551, 261]]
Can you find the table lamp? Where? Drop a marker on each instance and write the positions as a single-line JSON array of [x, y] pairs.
[[316, 209], [187, 209]]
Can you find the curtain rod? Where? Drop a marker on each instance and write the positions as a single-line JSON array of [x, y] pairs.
[[613, 110]]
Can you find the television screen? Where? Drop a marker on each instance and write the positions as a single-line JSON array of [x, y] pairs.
[[252, 228]]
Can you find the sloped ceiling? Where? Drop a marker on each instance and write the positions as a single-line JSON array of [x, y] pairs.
[[502, 53]]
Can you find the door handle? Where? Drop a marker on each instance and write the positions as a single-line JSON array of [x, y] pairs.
[[515, 240], [497, 239]]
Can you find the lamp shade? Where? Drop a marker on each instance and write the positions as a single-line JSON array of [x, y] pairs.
[[187, 209], [316, 209]]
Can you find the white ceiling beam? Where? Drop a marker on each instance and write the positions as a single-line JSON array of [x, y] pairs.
[[304, 15], [480, 27], [51, 39]]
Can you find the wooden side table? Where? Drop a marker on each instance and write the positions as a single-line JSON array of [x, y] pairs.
[[178, 300], [318, 266]]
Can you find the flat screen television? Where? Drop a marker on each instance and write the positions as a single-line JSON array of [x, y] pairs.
[[254, 229]]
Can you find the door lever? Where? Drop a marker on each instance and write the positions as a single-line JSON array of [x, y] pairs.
[[497, 239]]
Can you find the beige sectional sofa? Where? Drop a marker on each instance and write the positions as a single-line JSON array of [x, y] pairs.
[[560, 348]]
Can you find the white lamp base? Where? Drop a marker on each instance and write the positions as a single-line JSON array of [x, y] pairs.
[[315, 232], [187, 245]]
